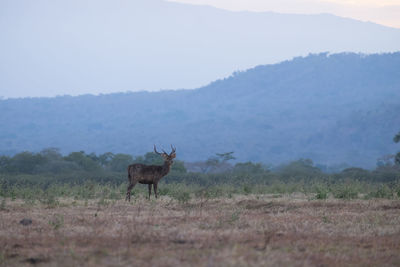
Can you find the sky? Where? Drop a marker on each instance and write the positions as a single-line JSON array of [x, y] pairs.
[[75, 47], [385, 12]]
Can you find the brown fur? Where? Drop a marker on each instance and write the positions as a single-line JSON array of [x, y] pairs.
[[149, 174]]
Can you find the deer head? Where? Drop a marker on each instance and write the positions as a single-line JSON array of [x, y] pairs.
[[168, 158]]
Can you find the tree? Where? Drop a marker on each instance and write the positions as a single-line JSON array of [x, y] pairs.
[[218, 163], [55, 162], [105, 158], [51, 153], [396, 139], [151, 158], [178, 166], [5, 164], [82, 160], [27, 162], [249, 168], [355, 173], [385, 161], [302, 168], [226, 156], [120, 162]]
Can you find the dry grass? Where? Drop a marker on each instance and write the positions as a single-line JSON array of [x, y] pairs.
[[241, 231]]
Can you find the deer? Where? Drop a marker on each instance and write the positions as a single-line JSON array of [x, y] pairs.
[[149, 174]]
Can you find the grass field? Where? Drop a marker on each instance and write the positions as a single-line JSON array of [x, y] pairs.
[[251, 230]]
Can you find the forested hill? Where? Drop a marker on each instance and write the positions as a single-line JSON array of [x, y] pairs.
[[341, 108]]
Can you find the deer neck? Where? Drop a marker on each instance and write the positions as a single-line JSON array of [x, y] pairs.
[[166, 168]]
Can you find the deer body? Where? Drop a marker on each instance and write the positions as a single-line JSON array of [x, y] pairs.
[[149, 174]]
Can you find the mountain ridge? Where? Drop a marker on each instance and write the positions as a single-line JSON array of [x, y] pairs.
[[332, 108], [103, 47]]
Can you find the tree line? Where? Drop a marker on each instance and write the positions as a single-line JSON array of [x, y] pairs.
[[49, 167], [51, 161]]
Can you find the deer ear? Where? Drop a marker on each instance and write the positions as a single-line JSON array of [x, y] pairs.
[[173, 155]]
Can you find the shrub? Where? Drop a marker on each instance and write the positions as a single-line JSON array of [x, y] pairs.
[[246, 189], [355, 174], [49, 200], [346, 191], [164, 191], [383, 191], [321, 192]]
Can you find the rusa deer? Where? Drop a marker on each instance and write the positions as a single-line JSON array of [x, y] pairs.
[[149, 174]]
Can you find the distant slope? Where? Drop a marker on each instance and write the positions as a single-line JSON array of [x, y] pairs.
[[50, 47], [330, 108]]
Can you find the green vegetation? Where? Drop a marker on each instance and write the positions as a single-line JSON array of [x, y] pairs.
[[47, 176], [321, 191]]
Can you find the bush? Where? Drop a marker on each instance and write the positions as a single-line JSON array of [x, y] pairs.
[[383, 191], [346, 191], [49, 200], [246, 189], [120, 162], [356, 174], [302, 169], [83, 161], [322, 192]]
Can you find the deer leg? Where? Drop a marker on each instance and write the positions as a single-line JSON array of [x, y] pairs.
[[128, 191], [155, 189], [149, 190]]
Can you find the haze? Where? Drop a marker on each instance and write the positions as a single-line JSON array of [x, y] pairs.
[[50, 48], [385, 12]]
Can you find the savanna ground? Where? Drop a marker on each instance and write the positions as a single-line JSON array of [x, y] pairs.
[[240, 230]]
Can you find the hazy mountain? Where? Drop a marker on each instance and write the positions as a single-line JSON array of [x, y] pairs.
[[330, 108], [49, 47]]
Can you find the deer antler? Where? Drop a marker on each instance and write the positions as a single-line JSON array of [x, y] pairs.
[[172, 152], [173, 149], [155, 151]]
